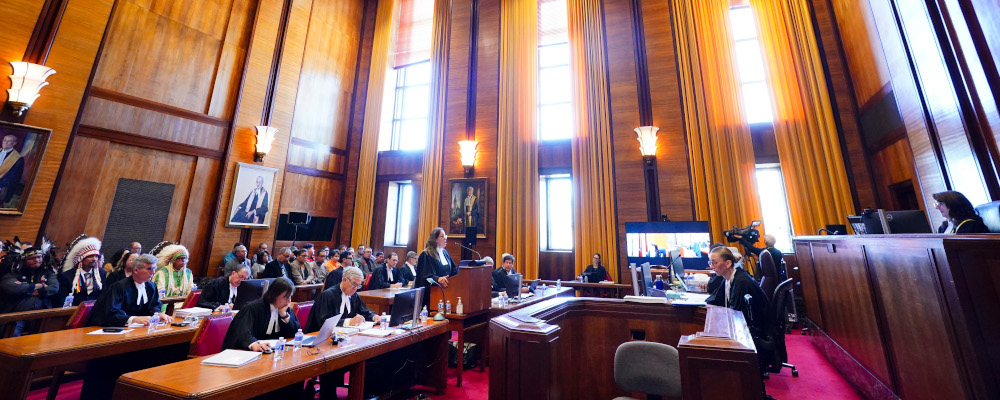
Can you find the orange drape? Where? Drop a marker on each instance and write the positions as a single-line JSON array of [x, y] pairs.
[[808, 145], [429, 212], [594, 212], [517, 150], [414, 35], [719, 144]]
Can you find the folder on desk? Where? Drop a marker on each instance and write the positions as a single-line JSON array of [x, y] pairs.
[[232, 358]]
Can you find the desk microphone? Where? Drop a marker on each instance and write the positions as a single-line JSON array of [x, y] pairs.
[[440, 313], [477, 253]]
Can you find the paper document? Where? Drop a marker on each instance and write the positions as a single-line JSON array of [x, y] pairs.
[[691, 299], [232, 358], [100, 331], [376, 332]]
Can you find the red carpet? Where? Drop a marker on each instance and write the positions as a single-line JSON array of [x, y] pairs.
[[817, 380]]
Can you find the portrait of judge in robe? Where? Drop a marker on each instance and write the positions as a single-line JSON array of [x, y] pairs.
[[251, 200], [21, 148], [468, 207]]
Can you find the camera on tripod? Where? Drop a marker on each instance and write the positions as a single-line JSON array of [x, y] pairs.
[[745, 236]]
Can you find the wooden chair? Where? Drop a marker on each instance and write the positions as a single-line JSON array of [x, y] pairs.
[[211, 332]]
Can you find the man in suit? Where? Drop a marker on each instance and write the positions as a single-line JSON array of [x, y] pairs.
[[366, 264], [500, 274], [11, 167], [222, 290], [386, 275], [279, 268], [253, 210]]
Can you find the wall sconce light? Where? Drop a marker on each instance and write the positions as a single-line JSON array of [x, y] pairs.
[[647, 142], [467, 148], [25, 82], [265, 137]]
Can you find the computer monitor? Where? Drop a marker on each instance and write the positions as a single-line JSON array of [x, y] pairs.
[[250, 290], [875, 223], [298, 218], [513, 286], [634, 271], [677, 266], [909, 221], [642, 280], [406, 307]]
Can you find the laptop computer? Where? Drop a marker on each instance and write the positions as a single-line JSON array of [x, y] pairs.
[[324, 332]]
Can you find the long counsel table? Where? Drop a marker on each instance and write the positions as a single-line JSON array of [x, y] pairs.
[[21, 356], [191, 380]]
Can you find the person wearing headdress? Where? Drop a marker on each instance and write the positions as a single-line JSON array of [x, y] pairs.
[[123, 268], [159, 247], [30, 284], [81, 273], [172, 273]]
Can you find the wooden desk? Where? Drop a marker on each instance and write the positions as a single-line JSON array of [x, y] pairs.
[[550, 293], [307, 292], [570, 353], [191, 380], [21, 356], [908, 316], [52, 319], [620, 289], [380, 300]]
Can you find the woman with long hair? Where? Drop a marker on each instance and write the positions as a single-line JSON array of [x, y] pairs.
[[959, 215], [435, 263], [123, 268]]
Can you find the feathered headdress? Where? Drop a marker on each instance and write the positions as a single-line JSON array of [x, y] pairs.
[[159, 247], [83, 247], [165, 259]]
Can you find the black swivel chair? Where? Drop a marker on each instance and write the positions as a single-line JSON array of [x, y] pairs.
[[769, 275], [990, 212], [778, 322]]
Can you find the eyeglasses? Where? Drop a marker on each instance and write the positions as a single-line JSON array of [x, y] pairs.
[[356, 285]]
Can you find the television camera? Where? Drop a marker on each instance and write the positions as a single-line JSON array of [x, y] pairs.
[[745, 236]]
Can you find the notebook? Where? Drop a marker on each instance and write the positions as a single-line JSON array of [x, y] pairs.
[[231, 358]]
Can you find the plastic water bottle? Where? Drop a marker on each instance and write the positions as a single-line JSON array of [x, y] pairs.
[[194, 286], [162, 292], [440, 306], [279, 349], [297, 343], [558, 284], [69, 301], [458, 307], [384, 321], [153, 321], [504, 301], [658, 284], [447, 307], [423, 315]]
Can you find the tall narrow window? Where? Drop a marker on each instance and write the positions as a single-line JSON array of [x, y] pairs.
[[406, 104], [774, 205], [555, 213], [397, 216], [555, 84], [756, 101]]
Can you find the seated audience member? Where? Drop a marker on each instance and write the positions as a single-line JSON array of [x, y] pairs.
[[333, 278], [319, 270], [434, 264], [223, 290], [408, 271], [258, 267], [960, 217], [172, 274], [488, 261], [367, 262], [261, 248], [595, 272], [115, 258], [332, 261], [123, 269], [30, 284], [386, 275], [769, 241], [232, 254], [268, 318], [129, 301], [379, 258], [310, 251], [81, 274], [301, 268], [737, 283], [279, 268], [135, 247], [239, 259]]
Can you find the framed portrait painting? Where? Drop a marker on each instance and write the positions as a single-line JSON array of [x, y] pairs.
[[21, 150], [251, 203], [468, 208]]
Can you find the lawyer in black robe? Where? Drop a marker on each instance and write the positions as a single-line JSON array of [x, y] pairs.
[[217, 293], [381, 280], [118, 303], [499, 279], [741, 285], [251, 323], [328, 303]]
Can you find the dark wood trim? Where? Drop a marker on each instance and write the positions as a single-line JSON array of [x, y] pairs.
[[860, 377], [147, 142], [279, 46], [471, 85], [297, 169], [318, 146], [158, 107], [641, 66], [892, 137], [398, 177], [877, 97], [45, 31], [76, 123]]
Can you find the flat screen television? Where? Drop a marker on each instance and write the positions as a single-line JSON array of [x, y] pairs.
[[654, 242]]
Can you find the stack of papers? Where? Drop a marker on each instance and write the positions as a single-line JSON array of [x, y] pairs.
[[232, 358], [196, 312], [376, 332], [646, 299]]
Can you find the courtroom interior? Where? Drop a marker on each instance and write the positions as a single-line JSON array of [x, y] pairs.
[[499, 199]]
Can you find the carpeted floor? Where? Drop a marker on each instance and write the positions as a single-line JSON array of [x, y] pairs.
[[817, 380]]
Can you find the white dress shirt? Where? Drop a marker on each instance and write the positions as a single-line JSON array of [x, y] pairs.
[[142, 298], [232, 293], [441, 256]]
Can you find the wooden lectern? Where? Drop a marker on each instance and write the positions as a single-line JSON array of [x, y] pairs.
[[472, 284]]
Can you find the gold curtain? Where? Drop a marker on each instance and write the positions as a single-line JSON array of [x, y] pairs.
[[517, 152], [429, 212], [719, 145], [804, 128], [364, 195], [593, 161]]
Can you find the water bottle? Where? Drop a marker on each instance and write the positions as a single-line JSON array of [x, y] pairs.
[[162, 292], [440, 306], [384, 321], [194, 286], [458, 307], [297, 344], [423, 315], [69, 301], [279, 349], [658, 284], [447, 307], [558, 284], [155, 319]]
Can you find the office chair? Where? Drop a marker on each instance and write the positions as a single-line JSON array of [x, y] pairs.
[[778, 321], [648, 367], [990, 212], [769, 274]]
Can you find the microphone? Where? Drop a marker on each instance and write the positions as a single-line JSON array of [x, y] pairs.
[[821, 230], [477, 253], [440, 313]]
